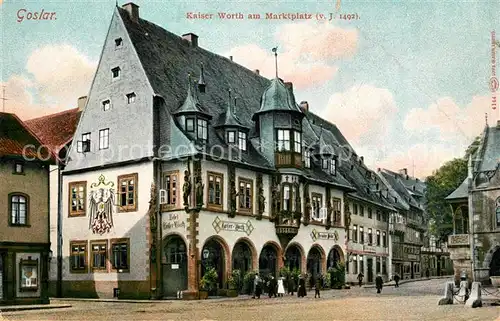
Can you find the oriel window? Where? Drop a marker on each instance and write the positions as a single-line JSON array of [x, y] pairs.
[[283, 140], [297, 142], [307, 158]]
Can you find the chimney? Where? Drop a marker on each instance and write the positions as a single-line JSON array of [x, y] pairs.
[[403, 171], [192, 38], [133, 11], [257, 71], [361, 159], [304, 105], [231, 58], [81, 103]]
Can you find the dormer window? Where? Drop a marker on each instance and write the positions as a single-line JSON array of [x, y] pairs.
[[307, 158], [202, 129], [118, 42], [242, 141], [333, 166], [324, 164], [130, 98], [231, 137], [115, 72], [190, 125]]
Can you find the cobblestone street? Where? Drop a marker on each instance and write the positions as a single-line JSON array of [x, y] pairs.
[[412, 301]]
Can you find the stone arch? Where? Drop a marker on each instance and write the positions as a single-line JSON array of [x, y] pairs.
[[210, 244], [289, 255], [270, 258], [334, 255], [253, 251], [461, 220], [316, 261], [174, 268], [488, 258]]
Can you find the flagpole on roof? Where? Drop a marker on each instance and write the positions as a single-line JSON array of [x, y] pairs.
[[275, 50]]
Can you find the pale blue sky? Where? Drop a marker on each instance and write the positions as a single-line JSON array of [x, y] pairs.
[[419, 51]]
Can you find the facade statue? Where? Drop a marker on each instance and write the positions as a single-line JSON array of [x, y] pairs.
[[347, 218], [307, 213], [262, 201], [186, 188], [232, 199], [199, 192], [152, 208]]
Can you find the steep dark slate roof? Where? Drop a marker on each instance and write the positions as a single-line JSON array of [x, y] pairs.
[[277, 98], [489, 152], [167, 60], [56, 130], [395, 181], [462, 191], [15, 135]]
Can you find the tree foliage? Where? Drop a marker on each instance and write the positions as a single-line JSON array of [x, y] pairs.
[[439, 185]]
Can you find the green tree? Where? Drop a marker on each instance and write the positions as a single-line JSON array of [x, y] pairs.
[[439, 185]]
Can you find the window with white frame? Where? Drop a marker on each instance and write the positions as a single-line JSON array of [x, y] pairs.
[[324, 163], [242, 141], [245, 194], [202, 129], [83, 146], [104, 138], [297, 142], [333, 166], [231, 137], [283, 140], [307, 158]]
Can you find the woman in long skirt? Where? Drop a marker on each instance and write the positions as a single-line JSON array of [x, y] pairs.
[[301, 292], [281, 287]]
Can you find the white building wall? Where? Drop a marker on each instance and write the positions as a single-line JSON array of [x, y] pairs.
[[131, 225]]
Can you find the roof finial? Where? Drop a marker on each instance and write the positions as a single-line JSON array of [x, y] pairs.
[[229, 109], [189, 82], [234, 105], [486, 118], [201, 81], [275, 50]]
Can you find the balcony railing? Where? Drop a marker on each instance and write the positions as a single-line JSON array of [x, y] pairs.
[[458, 240], [288, 159]]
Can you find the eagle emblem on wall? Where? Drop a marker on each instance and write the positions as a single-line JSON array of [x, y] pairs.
[[101, 203]]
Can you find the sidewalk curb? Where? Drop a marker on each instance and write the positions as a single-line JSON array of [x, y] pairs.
[[114, 300], [33, 307], [392, 283]]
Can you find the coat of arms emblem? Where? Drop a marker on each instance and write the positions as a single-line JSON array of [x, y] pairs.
[[101, 202]]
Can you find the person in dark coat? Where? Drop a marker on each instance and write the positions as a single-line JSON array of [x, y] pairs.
[[257, 286], [301, 291], [360, 278], [273, 285], [317, 287], [396, 279], [379, 283], [291, 285]]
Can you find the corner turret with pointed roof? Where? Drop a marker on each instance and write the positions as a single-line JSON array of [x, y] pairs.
[[277, 98]]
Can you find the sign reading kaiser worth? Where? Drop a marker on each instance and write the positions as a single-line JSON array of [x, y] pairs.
[[220, 225], [315, 235]]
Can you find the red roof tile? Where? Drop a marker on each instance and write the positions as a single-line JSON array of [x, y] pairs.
[[56, 130], [16, 139]]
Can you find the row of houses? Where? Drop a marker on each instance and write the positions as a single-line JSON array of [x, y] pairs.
[[180, 160]]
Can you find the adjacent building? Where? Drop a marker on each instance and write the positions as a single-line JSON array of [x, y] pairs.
[[475, 206], [24, 209]]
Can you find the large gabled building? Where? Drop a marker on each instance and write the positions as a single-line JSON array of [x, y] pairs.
[[184, 160]]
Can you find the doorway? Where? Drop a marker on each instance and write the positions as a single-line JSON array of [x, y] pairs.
[[293, 258], [213, 257], [175, 267], [314, 264], [268, 260], [369, 267], [495, 264]]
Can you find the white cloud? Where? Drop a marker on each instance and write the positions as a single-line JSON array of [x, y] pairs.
[[58, 75], [306, 53], [363, 113]]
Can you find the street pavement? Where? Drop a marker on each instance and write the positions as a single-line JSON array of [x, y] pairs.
[[411, 301]]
